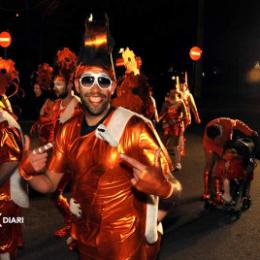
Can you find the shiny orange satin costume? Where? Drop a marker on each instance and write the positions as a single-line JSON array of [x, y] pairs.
[[125, 96], [132, 94], [213, 148], [231, 169], [44, 124], [228, 125], [190, 106], [10, 150], [172, 123], [58, 111], [113, 212], [59, 200]]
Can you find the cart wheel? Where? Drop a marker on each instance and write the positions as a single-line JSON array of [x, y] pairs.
[[246, 204], [234, 216], [208, 205]]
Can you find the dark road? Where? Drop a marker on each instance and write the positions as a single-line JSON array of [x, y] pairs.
[[190, 232]]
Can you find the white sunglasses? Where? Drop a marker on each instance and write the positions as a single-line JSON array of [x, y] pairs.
[[89, 79]]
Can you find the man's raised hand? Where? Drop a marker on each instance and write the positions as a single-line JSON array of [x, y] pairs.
[[149, 179], [33, 161]]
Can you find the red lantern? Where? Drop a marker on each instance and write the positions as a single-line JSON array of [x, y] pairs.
[[195, 53], [5, 39]]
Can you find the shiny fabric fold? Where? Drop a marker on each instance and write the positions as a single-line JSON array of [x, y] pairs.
[[113, 212], [10, 150]]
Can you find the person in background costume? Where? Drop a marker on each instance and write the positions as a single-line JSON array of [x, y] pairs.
[[11, 143], [65, 107], [190, 107], [174, 116], [217, 132], [8, 81], [188, 100], [134, 91], [41, 81], [42, 86], [119, 165], [151, 111]]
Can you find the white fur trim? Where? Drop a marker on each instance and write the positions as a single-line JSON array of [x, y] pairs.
[[18, 190], [103, 134], [18, 187], [151, 231], [5, 256], [112, 134], [160, 228], [75, 208], [69, 110]]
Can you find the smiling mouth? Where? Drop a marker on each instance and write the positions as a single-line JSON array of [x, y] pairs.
[[95, 99]]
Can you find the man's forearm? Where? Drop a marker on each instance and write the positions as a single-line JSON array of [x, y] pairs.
[[42, 183]]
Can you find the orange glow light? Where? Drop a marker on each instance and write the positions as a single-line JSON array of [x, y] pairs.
[[5, 39], [195, 53], [99, 40]]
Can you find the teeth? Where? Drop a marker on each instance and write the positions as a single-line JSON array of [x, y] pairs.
[[95, 99]]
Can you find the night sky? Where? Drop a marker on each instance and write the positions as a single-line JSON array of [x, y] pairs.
[[161, 32]]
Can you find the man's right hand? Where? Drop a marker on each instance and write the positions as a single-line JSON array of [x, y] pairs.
[[34, 161]]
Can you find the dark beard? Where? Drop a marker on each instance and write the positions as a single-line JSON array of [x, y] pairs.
[[64, 94], [90, 111]]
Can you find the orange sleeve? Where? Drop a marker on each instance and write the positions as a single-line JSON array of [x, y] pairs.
[[10, 144], [58, 160], [146, 145], [242, 127]]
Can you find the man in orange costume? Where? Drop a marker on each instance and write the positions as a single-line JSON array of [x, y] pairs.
[[65, 107], [216, 134], [134, 91], [10, 155], [112, 180]]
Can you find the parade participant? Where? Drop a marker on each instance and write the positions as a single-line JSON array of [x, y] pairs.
[[174, 117], [41, 81], [189, 101], [190, 107], [8, 77], [67, 104], [133, 90], [216, 134], [11, 191], [117, 162], [65, 107], [43, 93], [151, 111]]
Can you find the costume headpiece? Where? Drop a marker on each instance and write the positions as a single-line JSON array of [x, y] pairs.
[[97, 45], [184, 78], [8, 76], [44, 75], [128, 57], [177, 86], [66, 63]]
